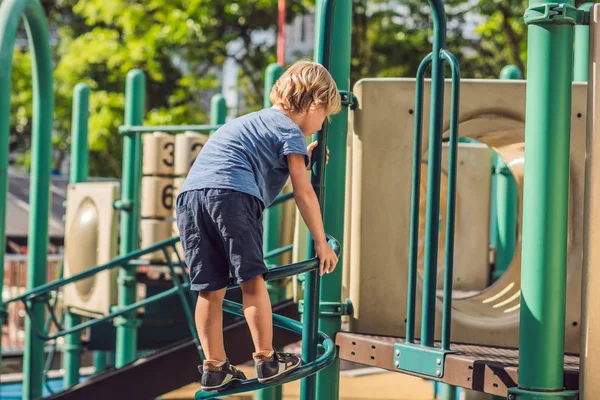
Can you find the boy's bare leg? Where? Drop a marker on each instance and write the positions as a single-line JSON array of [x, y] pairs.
[[209, 323], [258, 312]]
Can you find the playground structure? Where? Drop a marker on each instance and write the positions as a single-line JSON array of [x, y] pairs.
[[466, 339]]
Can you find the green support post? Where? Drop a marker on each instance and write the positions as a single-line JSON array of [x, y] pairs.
[[130, 188], [582, 46], [272, 229], [335, 176], [78, 173], [218, 110], [36, 26], [545, 208]]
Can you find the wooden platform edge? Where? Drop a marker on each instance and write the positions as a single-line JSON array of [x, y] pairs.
[[463, 370]]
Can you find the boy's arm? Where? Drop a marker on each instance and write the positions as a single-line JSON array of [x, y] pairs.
[[307, 202], [305, 197]]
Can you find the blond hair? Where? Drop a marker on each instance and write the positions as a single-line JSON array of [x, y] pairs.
[[303, 85]]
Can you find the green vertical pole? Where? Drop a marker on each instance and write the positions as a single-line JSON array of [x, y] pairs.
[[218, 109], [335, 178], [433, 175], [43, 106], [546, 194], [272, 229], [78, 173], [130, 187], [272, 218], [582, 46]]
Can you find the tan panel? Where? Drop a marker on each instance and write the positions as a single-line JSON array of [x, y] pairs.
[[187, 147], [153, 231], [157, 197], [474, 166], [491, 112], [589, 384], [474, 180], [91, 240], [159, 154]]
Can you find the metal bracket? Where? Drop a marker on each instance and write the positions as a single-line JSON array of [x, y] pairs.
[[349, 99], [331, 308], [422, 360], [556, 13], [520, 394], [123, 205]]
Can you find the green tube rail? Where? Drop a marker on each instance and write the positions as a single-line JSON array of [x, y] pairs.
[[433, 175], [312, 281], [451, 203], [133, 129], [415, 201], [304, 371], [36, 26], [78, 173], [424, 358], [41, 294]]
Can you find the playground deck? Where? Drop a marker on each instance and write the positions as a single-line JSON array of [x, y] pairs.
[[486, 369]]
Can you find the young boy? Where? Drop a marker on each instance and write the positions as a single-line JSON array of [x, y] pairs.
[[238, 173]]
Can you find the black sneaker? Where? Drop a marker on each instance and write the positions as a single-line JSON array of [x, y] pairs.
[[215, 377], [270, 367]]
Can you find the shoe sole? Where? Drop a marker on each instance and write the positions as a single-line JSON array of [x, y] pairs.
[[281, 374], [220, 387]]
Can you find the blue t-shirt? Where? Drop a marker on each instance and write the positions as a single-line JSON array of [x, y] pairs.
[[247, 154]]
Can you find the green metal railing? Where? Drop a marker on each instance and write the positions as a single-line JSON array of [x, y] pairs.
[[181, 289], [424, 357], [31, 12]]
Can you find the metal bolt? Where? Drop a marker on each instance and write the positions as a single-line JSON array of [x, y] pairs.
[[338, 309], [397, 364], [397, 353], [511, 397], [438, 361], [438, 373]]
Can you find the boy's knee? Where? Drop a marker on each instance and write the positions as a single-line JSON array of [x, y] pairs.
[[213, 295], [253, 284]]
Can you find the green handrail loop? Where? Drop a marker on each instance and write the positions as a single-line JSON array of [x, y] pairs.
[[451, 203], [415, 200], [425, 358], [302, 372]]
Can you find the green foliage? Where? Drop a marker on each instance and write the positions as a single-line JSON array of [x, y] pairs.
[[179, 45]]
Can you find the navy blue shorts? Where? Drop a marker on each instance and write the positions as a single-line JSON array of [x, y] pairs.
[[221, 233]]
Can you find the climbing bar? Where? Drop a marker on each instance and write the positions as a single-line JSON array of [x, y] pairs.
[[451, 204], [304, 371], [91, 322], [129, 130], [117, 262], [415, 200]]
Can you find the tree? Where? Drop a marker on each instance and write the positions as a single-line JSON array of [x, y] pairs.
[[180, 45]]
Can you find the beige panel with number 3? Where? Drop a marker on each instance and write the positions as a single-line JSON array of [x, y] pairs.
[[159, 154]]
